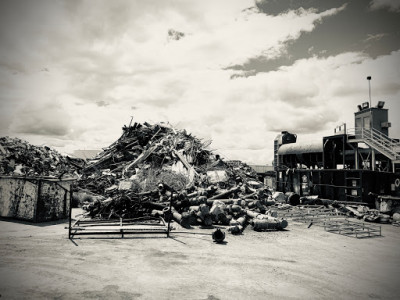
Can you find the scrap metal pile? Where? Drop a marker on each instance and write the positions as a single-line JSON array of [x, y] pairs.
[[387, 212], [18, 157], [156, 170]]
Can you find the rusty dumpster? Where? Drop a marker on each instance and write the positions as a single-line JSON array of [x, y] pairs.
[[35, 199]]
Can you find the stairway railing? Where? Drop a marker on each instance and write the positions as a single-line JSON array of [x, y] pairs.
[[377, 140]]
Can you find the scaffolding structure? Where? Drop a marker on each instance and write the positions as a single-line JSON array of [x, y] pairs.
[[353, 229], [122, 227]]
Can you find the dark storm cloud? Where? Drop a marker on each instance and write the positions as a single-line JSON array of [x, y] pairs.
[[25, 28], [357, 28], [391, 5], [276, 7]]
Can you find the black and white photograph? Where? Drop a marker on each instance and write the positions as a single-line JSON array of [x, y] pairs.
[[199, 149]]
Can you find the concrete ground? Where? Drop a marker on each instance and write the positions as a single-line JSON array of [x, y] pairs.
[[38, 261]]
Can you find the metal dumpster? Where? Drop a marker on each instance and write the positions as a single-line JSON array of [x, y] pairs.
[[35, 199]]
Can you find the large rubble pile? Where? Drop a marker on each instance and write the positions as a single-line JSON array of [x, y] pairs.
[[156, 170], [19, 158]]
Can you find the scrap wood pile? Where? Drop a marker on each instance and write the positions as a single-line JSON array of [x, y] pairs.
[[19, 158], [150, 165]]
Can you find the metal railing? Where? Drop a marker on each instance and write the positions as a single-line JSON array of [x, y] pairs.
[[378, 140]]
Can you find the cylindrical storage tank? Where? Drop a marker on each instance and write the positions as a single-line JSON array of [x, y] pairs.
[[283, 138]]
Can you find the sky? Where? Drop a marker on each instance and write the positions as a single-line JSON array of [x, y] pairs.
[[237, 72]]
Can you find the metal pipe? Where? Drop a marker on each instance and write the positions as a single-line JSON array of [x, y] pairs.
[[70, 210], [373, 159], [169, 219]]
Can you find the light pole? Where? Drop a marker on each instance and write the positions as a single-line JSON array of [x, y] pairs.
[[369, 89], [371, 123]]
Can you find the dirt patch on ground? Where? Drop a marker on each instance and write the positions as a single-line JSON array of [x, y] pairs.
[[40, 262]]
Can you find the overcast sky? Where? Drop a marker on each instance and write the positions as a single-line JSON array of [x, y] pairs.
[[72, 73]]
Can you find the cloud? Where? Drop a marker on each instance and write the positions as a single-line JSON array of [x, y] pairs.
[[48, 120], [374, 37], [391, 5], [114, 60], [309, 98], [102, 103], [175, 35]]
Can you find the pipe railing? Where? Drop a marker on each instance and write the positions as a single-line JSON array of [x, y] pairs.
[[381, 141]]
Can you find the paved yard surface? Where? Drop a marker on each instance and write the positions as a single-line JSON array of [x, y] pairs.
[[40, 262]]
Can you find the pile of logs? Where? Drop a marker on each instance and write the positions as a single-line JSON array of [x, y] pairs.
[[157, 170], [203, 206]]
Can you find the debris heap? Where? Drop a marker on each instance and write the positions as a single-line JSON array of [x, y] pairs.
[[18, 157], [157, 170]]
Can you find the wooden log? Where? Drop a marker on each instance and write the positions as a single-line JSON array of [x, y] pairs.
[[239, 221], [352, 210], [83, 196], [182, 219], [210, 202], [204, 215], [293, 198], [235, 229], [200, 192], [157, 213], [280, 223], [185, 162], [207, 221], [252, 214], [3, 150], [145, 154], [154, 205], [224, 194], [197, 201], [249, 196], [260, 224], [148, 193], [269, 202], [99, 162]]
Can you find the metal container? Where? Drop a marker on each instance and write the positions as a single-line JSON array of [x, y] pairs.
[[35, 199]]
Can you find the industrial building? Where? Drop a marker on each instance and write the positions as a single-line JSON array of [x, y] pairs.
[[353, 164]]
